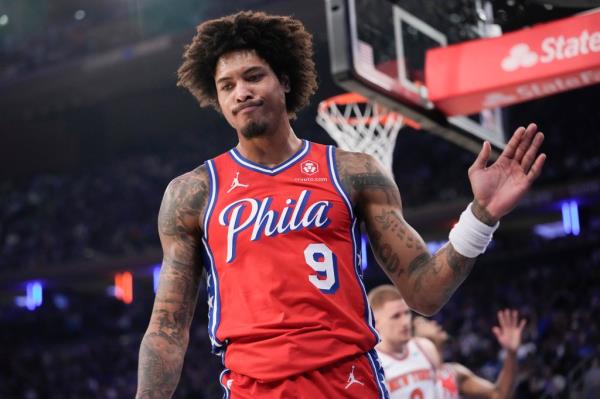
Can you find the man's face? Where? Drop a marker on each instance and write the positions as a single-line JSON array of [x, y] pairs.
[[250, 95], [393, 321]]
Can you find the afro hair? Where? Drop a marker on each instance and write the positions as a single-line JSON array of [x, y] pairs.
[[281, 41]]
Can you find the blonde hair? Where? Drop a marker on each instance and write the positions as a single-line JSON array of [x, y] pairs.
[[378, 296]]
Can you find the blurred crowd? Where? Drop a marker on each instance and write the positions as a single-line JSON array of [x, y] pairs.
[[47, 43], [86, 345], [107, 211], [45, 34], [64, 350]]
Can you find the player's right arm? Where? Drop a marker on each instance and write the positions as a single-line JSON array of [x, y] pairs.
[[165, 342]]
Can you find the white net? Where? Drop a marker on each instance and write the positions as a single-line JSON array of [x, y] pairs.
[[359, 125]]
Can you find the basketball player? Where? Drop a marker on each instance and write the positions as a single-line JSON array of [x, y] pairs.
[[410, 363], [288, 311], [455, 379]]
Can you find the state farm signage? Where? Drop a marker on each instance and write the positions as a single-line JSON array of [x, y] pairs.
[[548, 87], [553, 48], [544, 60]]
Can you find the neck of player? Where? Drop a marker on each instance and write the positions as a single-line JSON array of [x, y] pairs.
[[396, 349], [271, 148]]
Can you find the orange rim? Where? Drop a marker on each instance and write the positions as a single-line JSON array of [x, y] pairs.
[[355, 98], [344, 99]]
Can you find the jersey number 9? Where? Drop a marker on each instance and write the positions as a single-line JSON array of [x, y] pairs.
[[324, 262]]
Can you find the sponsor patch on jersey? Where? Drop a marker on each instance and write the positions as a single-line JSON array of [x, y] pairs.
[[309, 167]]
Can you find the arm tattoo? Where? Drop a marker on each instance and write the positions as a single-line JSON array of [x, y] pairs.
[[435, 278], [361, 176], [185, 198], [427, 281], [461, 265], [385, 254], [359, 173], [420, 267], [391, 220], [426, 266], [482, 214], [154, 368], [165, 342]]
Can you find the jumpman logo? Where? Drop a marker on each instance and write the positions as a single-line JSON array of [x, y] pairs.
[[352, 379], [236, 182]]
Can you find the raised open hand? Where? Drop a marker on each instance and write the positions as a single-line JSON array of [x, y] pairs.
[[510, 330], [497, 188]]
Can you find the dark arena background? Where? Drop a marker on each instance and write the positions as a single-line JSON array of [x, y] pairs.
[[93, 128]]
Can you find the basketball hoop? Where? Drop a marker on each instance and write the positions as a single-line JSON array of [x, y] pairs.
[[356, 124]]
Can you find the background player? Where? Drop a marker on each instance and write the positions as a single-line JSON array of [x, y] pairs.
[[257, 70], [455, 379], [410, 363]]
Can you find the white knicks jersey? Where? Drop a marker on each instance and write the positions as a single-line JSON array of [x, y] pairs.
[[410, 377], [447, 383]]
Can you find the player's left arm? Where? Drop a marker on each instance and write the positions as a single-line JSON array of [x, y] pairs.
[[508, 334], [425, 281], [470, 384]]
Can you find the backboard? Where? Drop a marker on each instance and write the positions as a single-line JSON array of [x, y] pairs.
[[377, 48]]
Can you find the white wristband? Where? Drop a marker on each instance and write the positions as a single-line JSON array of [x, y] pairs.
[[470, 236]]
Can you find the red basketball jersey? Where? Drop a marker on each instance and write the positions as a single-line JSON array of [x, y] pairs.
[[283, 260]]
